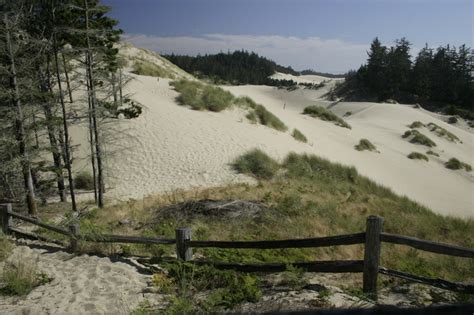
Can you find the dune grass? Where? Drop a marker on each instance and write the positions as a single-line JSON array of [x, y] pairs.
[[201, 96], [21, 277], [365, 144], [418, 138], [256, 163], [299, 136], [455, 164], [443, 133], [143, 67], [416, 124], [326, 115], [431, 152], [5, 247], [417, 156]]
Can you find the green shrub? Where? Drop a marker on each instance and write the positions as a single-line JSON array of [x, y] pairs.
[[417, 156], [84, 180], [455, 164], [442, 132], [325, 114], [365, 144], [201, 96], [245, 102], [298, 135], [452, 120], [430, 152], [252, 117], [22, 277], [256, 163], [416, 124], [418, 138]]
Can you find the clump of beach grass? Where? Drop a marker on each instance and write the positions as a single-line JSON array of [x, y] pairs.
[[443, 133], [298, 135], [201, 96], [256, 163], [418, 138], [416, 124], [21, 277], [326, 115], [431, 152], [365, 144], [143, 67], [455, 164], [417, 156], [5, 247]]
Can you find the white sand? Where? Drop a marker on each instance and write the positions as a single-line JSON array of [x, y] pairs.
[[172, 147], [81, 285]]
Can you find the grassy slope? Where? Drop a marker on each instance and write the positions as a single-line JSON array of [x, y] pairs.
[[313, 198]]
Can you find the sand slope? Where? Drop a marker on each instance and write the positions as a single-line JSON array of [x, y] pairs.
[[172, 147]]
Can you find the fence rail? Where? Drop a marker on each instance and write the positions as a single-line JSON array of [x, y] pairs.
[[369, 266]]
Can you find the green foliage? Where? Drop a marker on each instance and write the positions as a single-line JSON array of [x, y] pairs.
[[5, 247], [256, 163], [22, 277], [418, 138], [239, 67], [252, 117], [365, 144], [452, 120], [442, 132], [298, 135], [325, 114], [84, 180], [245, 102], [162, 282], [416, 124], [144, 67], [455, 164], [417, 156], [293, 277], [201, 96]]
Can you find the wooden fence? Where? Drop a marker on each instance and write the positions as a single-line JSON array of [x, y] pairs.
[[369, 266]]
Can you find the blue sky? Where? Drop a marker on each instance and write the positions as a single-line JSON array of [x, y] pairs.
[[327, 35]]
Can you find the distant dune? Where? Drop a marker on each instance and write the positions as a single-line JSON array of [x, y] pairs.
[[172, 147]]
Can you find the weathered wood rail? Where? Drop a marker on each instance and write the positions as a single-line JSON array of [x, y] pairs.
[[370, 267]]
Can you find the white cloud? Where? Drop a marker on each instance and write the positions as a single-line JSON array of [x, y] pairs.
[[326, 55]]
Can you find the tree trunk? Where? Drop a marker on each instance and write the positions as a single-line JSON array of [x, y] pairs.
[[65, 126], [67, 79], [92, 140], [50, 126], [98, 152], [20, 129], [120, 87]]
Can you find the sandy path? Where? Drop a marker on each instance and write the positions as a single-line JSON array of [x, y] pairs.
[[81, 285]]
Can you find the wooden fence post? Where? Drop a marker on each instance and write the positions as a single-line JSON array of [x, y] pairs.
[[372, 255], [5, 217], [74, 229], [183, 252]]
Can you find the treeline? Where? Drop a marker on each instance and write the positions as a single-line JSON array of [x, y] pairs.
[[51, 52], [323, 74], [238, 67], [435, 78]]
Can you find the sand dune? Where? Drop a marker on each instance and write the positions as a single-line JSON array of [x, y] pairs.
[[171, 147]]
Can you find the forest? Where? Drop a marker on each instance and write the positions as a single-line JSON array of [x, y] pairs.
[[59, 68], [439, 79], [238, 67]]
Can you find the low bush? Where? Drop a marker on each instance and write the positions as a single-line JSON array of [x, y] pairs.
[[5, 247], [325, 114], [256, 163], [416, 124], [84, 180], [455, 164], [417, 156], [419, 138], [298, 135], [452, 120], [442, 132], [365, 144]]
